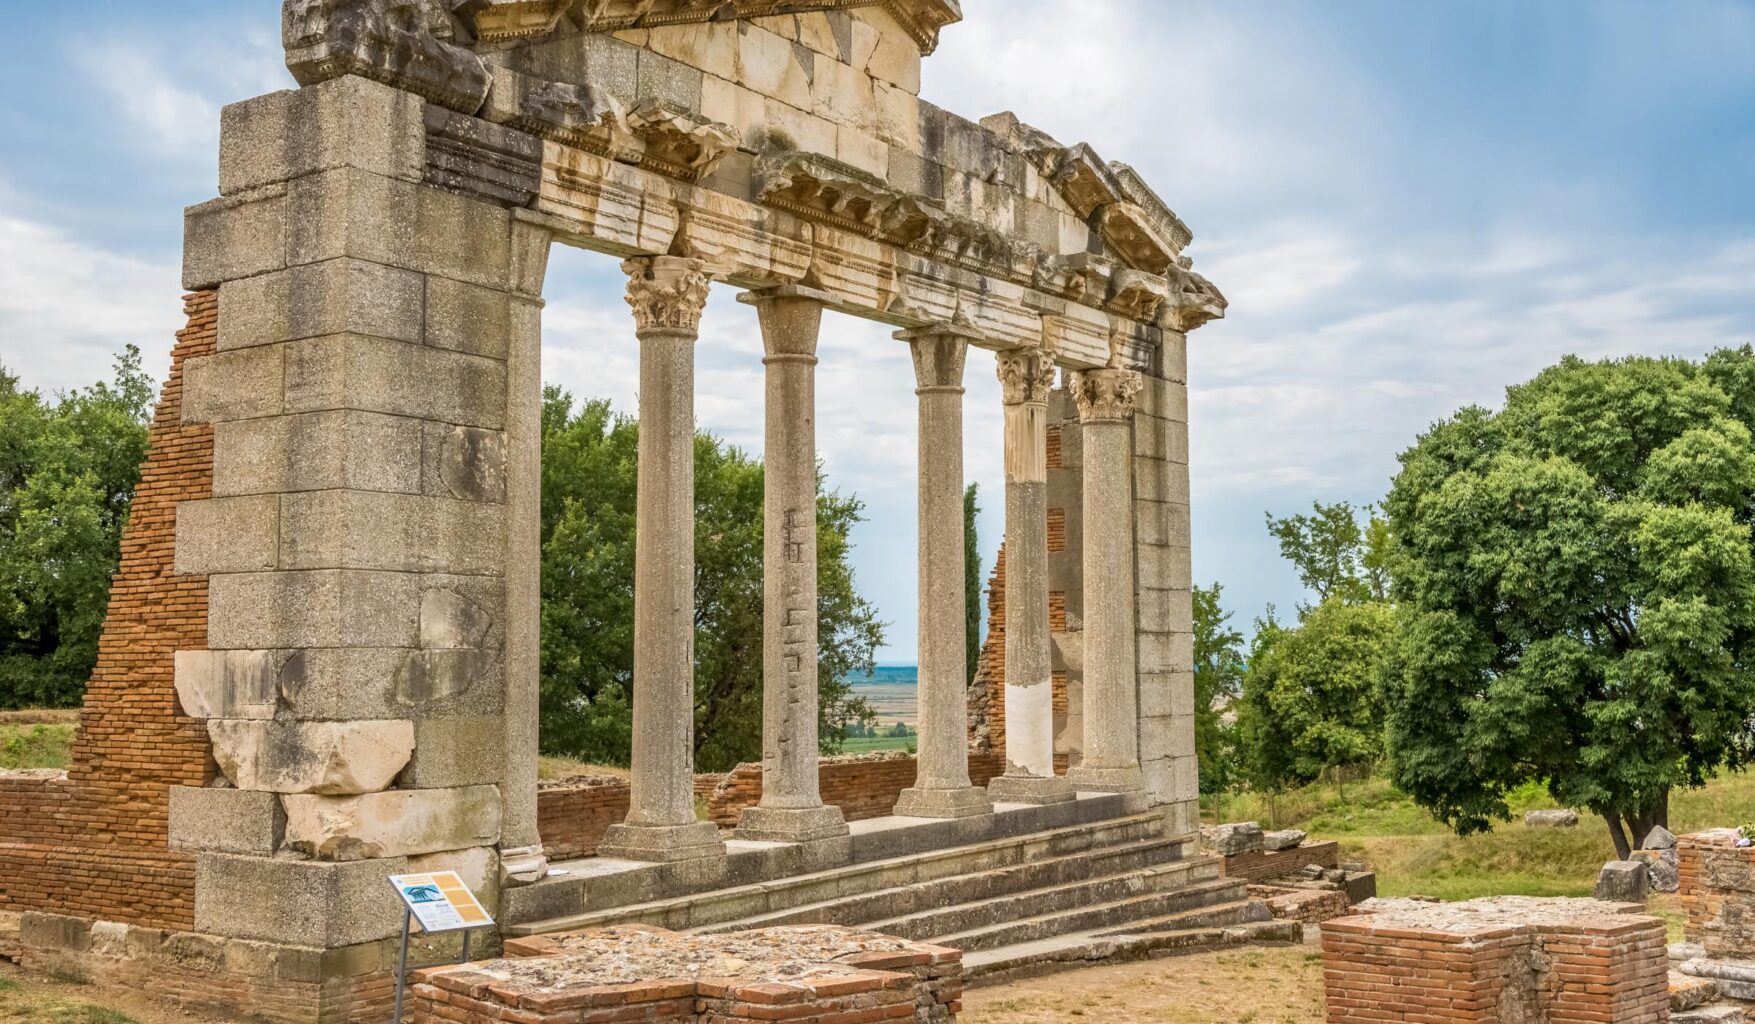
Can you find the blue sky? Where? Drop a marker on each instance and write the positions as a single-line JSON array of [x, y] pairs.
[[1409, 205]]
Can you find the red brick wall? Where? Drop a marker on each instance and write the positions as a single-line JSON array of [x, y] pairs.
[[1718, 892], [1263, 865], [863, 787], [94, 843], [572, 819]]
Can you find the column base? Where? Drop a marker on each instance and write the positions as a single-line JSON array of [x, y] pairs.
[[1107, 780], [964, 802], [525, 865], [662, 844], [1029, 789], [791, 825]]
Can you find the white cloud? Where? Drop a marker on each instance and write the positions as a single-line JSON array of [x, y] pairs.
[[68, 305], [168, 94]]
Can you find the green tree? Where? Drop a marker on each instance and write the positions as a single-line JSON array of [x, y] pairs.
[[68, 468], [1218, 683], [972, 578], [1577, 587], [1334, 555], [1310, 695], [588, 512]]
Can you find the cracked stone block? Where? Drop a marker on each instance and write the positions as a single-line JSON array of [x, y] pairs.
[[228, 684], [1286, 839], [1622, 881], [397, 823], [299, 903], [1662, 867], [332, 758], [1241, 837]]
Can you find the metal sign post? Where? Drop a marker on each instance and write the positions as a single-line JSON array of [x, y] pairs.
[[441, 903]]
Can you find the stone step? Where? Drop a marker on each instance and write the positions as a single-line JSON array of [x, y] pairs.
[[1688, 992], [1236, 909], [1107, 916], [945, 894], [718, 906], [1101, 889], [1068, 952], [1722, 1013]]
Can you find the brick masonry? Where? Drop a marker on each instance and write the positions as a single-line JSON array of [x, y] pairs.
[[824, 975], [1264, 865], [1507, 960], [92, 841], [1718, 892]]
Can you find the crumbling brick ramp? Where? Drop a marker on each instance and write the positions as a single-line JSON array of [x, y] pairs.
[[819, 974], [1504, 960]]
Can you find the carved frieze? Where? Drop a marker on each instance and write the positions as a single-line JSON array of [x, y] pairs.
[[1136, 294], [402, 43], [498, 21], [1127, 230], [1192, 302], [1135, 190], [469, 155], [668, 140], [921, 19], [655, 135]]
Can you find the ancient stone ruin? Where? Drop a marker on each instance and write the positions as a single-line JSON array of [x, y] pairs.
[[320, 666]]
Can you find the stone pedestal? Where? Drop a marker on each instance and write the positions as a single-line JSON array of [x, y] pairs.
[[792, 808], [1111, 755], [667, 294], [1027, 376], [942, 788]]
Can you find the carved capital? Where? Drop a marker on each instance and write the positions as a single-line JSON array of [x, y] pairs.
[[1106, 396], [1026, 375], [939, 352], [667, 293]]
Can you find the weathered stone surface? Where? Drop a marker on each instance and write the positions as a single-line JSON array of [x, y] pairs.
[[483, 159], [234, 237], [318, 451], [349, 212], [1661, 869], [228, 535], [301, 903], [228, 684], [1551, 819], [465, 462], [234, 385], [374, 530], [451, 752], [1659, 838], [347, 122], [311, 757], [1622, 881], [402, 43], [1240, 837], [226, 821], [1286, 839], [338, 296], [350, 371], [395, 823], [325, 608]]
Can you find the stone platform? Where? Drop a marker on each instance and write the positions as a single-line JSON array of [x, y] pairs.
[[635, 973], [1026, 890]]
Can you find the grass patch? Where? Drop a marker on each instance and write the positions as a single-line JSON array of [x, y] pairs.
[[567, 767], [8, 985], [874, 744], [86, 1013], [1416, 855], [36, 746]]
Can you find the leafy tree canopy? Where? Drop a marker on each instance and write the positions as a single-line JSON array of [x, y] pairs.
[[589, 477], [1334, 555], [1576, 585], [68, 467], [1218, 682]]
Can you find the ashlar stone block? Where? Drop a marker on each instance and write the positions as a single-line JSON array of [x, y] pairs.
[[234, 385], [339, 296], [228, 684], [387, 682], [396, 823], [467, 318], [228, 535], [294, 902], [322, 608], [230, 238], [376, 530], [344, 122], [226, 821], [330, 758], [351, 371], [467, 463], [452, 752], [397, 223], [342, 448]]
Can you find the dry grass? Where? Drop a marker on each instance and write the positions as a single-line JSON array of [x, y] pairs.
[[566, 768], [1271, 985], [36, 999]]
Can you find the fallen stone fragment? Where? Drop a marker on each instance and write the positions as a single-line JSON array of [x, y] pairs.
[[1660, 838], [1286, 839], [1663, 867], [1622, 881], [1238, 838], [1551, 819]]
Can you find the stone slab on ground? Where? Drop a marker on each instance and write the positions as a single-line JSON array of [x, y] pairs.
[[1551, 819], [1623, 881], [1238, 838], [810, 973]]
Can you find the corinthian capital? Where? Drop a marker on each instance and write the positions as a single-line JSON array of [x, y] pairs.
[[1106, 395], [667, 293], [1026, 375]]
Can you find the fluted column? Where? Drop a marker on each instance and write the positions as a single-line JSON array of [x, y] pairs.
[[667, 294], [792, 807], [1026, 376], [941, 786], [1111, 756]]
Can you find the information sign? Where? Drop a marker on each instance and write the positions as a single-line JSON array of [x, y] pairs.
[[441, 902]]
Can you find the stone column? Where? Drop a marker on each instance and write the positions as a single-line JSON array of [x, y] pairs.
[[941, 786], [792, 807], [1027, 375], [1111, 753], [667, 294]]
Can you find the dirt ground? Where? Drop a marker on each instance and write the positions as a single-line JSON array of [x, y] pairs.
[[35, 999], [1270, 985]]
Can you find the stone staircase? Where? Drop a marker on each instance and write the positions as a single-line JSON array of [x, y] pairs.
[[1018, 905]]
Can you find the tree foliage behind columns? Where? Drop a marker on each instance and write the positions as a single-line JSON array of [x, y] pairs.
[[1218, 683], [68, 468], [976, 608], [589, 481], [1575, 579]]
